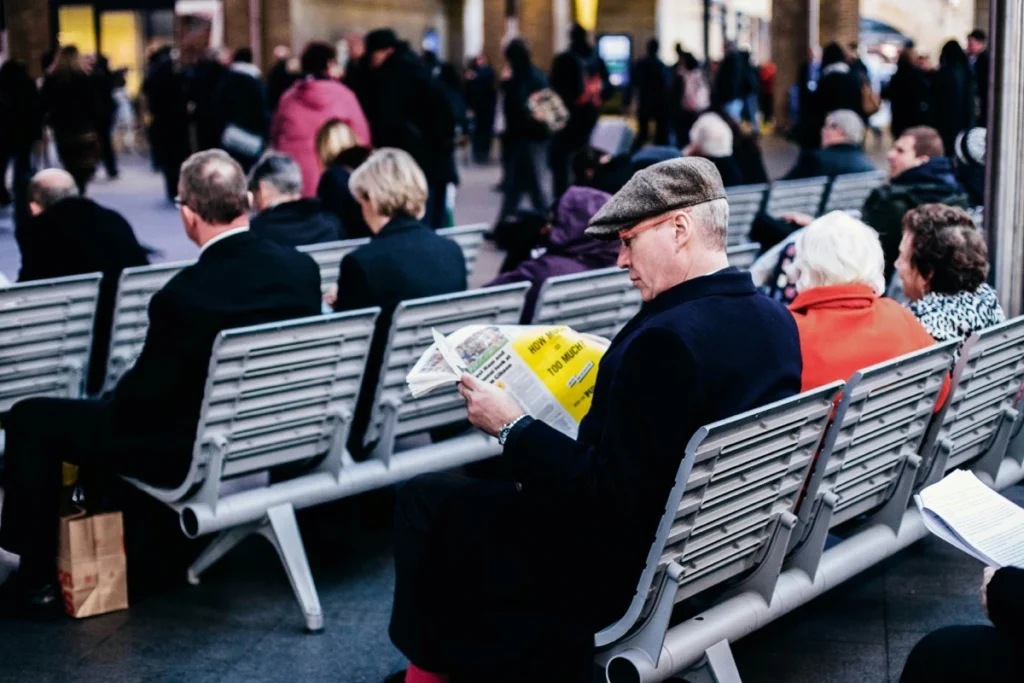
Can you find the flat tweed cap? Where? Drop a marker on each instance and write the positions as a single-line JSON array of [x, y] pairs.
[[670, 185]]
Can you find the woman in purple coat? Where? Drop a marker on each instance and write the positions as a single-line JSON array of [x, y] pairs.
[[567, 249]]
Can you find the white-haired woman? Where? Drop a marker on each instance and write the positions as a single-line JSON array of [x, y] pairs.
[[844, 323], [712, 138]]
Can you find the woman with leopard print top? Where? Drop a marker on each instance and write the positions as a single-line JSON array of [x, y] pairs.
[[943, 264]]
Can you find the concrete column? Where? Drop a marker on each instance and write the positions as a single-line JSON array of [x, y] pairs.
[[28, 32], [638, 18], [790, 46], [276, 26], [494, 32], [982, 12], [537, 25], [236, 24], [455, 33], [840, 21]]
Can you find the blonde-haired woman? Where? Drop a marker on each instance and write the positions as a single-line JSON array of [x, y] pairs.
[[403, 260], [844, 323], [340, 154]]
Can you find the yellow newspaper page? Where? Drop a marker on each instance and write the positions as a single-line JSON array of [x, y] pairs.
[[566, 363]]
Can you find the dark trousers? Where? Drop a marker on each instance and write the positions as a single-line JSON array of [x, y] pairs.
[[483, 139], [644, 119], [560, 158], [437, 206], [107, 155], [42, 433], [524, 165], [964, 653]]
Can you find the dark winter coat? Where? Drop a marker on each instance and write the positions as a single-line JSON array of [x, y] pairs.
[[333, 192], [952, 104], [908, 95], [240, 99], [705, 350], [831, 161], [569, 250], [526, 80], [931, 182], [297, 223], [74, 237]]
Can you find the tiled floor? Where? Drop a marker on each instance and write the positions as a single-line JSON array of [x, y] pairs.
[[242, 624]]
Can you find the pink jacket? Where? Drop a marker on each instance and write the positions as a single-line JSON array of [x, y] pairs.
[[305, 107]]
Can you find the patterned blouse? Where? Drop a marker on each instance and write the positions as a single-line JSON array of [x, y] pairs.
[[948, 316]]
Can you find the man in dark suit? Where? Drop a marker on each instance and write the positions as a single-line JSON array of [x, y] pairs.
[[481, 566], [404, 259], [147, 428], [977, 52], [285, 216], [841, 152], [72, 235]]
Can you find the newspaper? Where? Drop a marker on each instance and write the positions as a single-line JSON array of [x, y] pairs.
[[550, 370], [970, 516]]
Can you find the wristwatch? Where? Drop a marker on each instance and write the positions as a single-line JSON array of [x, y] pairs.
[[507, 429]]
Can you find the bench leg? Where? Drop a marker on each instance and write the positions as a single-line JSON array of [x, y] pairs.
[[221, 546], [282, 531], [891, 514], [988, 466], [718, 666], [807, 555]]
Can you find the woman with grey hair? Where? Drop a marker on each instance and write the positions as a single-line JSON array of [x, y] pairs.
[[844, 323], [712, 138]]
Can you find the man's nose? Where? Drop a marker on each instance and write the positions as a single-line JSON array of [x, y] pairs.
[[623, 260]]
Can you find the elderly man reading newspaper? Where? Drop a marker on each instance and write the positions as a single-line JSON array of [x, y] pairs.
[[508, 579]]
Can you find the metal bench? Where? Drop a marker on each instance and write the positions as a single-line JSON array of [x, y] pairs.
[[869, 459], [849, 192], [797, 196], [745, 202], [598, 302], [397, 414], [135, 288], [277, 394], [975, 424], [728, 518], [742, 256], [328, 255], [46, 337]]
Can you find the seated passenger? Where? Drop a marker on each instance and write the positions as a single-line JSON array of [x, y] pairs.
[[993, 654], [147, 429], [340, 155], [477, 589], [284, 215], [841, 152], [845, 324], [711, 138], [72, 235], [943, 265], [567, 249], [404, 259]]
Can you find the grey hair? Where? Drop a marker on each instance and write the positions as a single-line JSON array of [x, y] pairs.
[[212, 184], [50, 186], [712, 218], [711, 136], [849, 123], [838, 249], [277, 170]]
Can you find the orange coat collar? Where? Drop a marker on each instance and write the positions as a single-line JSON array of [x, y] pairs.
[[835, 296]]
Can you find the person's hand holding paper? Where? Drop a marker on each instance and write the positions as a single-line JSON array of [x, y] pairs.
[[489, 407]]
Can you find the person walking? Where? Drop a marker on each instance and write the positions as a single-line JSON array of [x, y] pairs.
[[20, 127], [164, 91], [482, 98], [525, 137], [650, 81], [310, 103], [106, 83], [242, 112], [952, 102], [838, 88], [70, 105], [977, 51], [907, 92]]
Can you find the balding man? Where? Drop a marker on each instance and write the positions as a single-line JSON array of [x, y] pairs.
[[72, 235], [147, 428], [509, 579]]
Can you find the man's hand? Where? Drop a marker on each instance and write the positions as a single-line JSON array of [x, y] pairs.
[[490, 408], [801, 219], [330, 297], [986, 579]]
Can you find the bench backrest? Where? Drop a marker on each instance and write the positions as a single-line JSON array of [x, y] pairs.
[[135, 288], [410, 336], [849, 192], [46, 337], [991, 372], [612, 135], [742, 256], [802, 196], [280, 393], [745, 202], [881, 420], [328, 255], [737, 478], [597, 302]]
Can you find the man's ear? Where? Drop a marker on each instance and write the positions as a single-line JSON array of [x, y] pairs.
[[684, 228]]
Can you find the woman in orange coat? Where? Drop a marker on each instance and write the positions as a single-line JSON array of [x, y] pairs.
[[845, 324]]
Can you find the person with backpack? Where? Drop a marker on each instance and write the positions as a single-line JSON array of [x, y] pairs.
[[580, 78], [525, 134], [693, 94]]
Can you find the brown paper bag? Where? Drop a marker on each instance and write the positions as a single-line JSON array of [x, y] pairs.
[[93, 569]]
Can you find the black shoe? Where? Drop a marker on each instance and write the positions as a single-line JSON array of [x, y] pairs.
[[42, 603]]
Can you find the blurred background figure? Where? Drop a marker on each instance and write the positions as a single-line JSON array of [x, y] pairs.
[[482, 100], [953, 104], [340, 154], [284, 72], [241, 110], [977, 51], [20, 128], [650, 83], [907, 92], [106, 83], [525, 137], [69, 103]]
